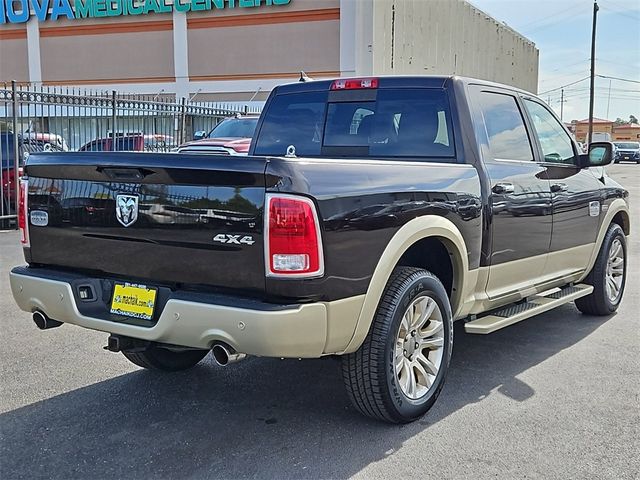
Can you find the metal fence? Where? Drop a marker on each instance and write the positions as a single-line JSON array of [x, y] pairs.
[[71, 119]]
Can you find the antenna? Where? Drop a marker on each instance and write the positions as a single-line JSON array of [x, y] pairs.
[[304, 77]]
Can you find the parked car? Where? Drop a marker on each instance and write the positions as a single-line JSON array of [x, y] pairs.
[[26, 146], [158, 142], [627, 152], [232, 136], [48, 141], [369, 215], [123, 143]]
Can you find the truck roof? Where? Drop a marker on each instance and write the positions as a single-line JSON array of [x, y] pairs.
[[398, 81]]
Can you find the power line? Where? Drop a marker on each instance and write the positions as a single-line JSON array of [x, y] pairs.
[[585, 78], [564, 86], [626, 14], [558, 20], [620, 79], [621, 7], [541, 20]]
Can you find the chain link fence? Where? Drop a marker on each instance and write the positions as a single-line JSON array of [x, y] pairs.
[[56, 119]]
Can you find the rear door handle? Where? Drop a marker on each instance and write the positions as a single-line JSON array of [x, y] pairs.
[[502, 188], [559, 187]]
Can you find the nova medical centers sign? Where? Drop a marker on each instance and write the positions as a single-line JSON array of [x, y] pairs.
[[17, 11]]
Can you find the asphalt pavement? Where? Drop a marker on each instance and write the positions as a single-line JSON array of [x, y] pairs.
[[556, 396]]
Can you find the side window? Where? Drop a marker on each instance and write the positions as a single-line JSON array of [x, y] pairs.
[[556, 144], [508, 139]]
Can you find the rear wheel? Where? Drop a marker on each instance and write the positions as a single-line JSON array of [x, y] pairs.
[[156, 358], [399, 371], [608, 275]]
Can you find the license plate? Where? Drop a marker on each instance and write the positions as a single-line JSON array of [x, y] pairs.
[[131, 300]]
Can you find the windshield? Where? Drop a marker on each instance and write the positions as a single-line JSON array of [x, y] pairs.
[[235, 128], [392, 123], [628, 145]]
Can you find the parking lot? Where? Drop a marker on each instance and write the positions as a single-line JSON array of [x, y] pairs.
[[556, 396]]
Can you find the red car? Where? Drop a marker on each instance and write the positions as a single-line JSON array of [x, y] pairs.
[[232, 136], [124, 143]]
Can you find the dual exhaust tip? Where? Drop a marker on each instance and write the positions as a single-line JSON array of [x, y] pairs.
[[43, 322], [222, 354], [225, 355]]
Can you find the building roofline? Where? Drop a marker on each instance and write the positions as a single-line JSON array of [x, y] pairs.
[[499, 23]]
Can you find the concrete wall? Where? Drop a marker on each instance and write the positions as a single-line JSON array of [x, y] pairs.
[[450, 37], [240, 52], [14, 60]]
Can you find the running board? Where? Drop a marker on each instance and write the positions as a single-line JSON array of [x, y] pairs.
[[528, 308]]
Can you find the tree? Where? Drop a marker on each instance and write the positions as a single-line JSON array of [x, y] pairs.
[[633, 119]]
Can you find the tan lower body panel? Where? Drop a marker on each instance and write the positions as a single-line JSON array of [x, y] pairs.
[[511, 283], [301, 331]]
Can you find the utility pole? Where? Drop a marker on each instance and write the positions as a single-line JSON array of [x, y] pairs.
[[562, 105], [593, 71], [609, 100]]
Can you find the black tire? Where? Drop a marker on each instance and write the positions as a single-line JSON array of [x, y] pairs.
[[155, 358], [598, 302], [369, 373]]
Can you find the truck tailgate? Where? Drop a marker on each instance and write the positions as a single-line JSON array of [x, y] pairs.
[[166, 218]]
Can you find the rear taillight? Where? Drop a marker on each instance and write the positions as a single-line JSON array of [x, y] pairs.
[[292, 237], [22, 212], [354, 83]]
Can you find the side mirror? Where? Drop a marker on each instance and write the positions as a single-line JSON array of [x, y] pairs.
[[199, 135], [600, 154]]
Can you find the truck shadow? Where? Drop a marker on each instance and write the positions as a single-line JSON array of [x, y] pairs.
[[262, 418]]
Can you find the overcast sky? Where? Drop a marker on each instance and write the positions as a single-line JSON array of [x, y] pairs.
[[561, 29]]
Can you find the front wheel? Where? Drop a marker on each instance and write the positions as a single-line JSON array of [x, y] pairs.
[[156, 358], [608, 275], [399, 371]]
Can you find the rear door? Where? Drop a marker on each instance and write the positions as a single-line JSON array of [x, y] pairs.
[[576, 193], [520, 197]]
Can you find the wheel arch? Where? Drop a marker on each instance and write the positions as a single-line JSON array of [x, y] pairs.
[[618, 213], [403, 249], [621, 218]]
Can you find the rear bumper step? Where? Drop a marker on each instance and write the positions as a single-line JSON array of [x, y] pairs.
[[532, 306]]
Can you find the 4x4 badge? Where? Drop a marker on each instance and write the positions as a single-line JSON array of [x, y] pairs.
[[127, 209], [234, 239]]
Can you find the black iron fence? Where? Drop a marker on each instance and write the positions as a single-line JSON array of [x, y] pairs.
[[71, 119]]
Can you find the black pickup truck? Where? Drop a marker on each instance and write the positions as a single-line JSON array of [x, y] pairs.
[[369, 215]]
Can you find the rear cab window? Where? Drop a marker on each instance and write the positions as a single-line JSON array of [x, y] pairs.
[[391, 123]]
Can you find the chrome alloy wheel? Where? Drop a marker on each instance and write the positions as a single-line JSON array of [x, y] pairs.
[[614, 274], [419, 347]]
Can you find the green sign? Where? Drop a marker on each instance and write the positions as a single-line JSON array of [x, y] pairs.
[[17, 11]]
